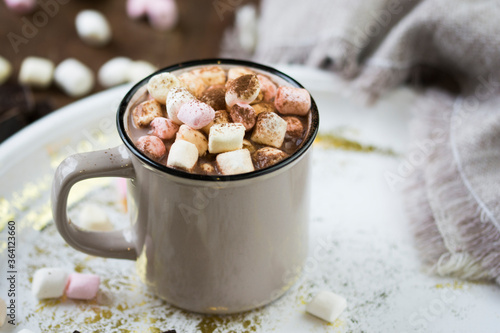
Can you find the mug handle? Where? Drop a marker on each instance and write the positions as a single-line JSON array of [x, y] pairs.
[[112, 162]]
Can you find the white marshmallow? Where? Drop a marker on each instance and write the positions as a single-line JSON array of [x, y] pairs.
[[235, 72], [49, 283], [327, 306], [225, 137], [139, 70], [93, 28], [114, 72], [182, 155], [160, 85], [211, 75], [234, 162], [194, 83], [36, 72], [5, 70], [176, 98], [270, 129], [197, 138], [246, 27], [3, 312], [74, 78], [93, 218]]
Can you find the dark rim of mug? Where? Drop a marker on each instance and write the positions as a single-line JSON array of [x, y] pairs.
[[313, 128]]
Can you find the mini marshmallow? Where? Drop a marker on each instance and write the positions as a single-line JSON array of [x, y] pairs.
[[183, 155], [160, 85], [74, 78], [294, 126], [263, 107], [211, 75], [21, 6], [152, 146], [163, 15], [225, 137], [139, 70], [136, 8], [246, 27], [176, 98], [82, 286], [3, 312], [327, 306], [93, 218], [267, 87], [196, 114], [236, 72], [36, 72], [243, 89], [243, 114], [197, 138], [259, 98], [290, 100], [215, 96], [5, 70], [93, 28], [114, 72], [207, 168], [193, 83], [164, 128], [145, 112], [270, 129], [234, 162], [247, 144], [221, 117], [267, 156], [49, 283]]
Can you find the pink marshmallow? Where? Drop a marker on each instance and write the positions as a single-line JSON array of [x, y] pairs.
[[291, 100], [196, 114], [267, 87], [136, 8], [152, 146], [164, 128], [82, 286], [163, 14], [21, 6]]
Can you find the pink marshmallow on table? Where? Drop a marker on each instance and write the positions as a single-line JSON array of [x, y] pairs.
[[163, 14], [82, 286], [163, 128], [21, 6], [136, 8], [152, 146], [267, 87], [290, 100], [196, 114]]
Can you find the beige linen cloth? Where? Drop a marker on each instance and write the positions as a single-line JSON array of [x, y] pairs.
[[451, 174]]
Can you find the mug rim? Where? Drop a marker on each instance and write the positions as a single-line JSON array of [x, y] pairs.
[[120, 121]]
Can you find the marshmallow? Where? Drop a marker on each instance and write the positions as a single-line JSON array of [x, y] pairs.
[[183, 155], [267, 156], [259, 98], [152, 146], [139, 70], [243, 114], [145, 112], [327, 306], [208, 168], [49, 283], [5, 70], [270, 129], [136, 8], [163, 128], [246, 27], [263, 107], [267, 87], [163, 15], [3, 312], [176, 98], [160, 85], [294, 126], [290, 100], [197, 138], [225, 137], [93, 28], [93, 218], [82, 286], [36, 72], [235, 72], [215, 96], [196, 114], [211, 75], [247, 144], [21, 6], [193, 83], [221, 117], [74, 78], [243, 89], [114, 72], [234, 162]]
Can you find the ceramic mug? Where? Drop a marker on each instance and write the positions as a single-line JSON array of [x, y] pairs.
[[210, 244]]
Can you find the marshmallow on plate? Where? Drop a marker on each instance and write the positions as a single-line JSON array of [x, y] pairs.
[[243, 114], [36, 72], [220, 117], [82, 286], [92, 217], [5, 69], [267, 156], [139, 70], [21, 6], [152, 146], [160, 85], [197, 138], [193, 83], [225, 137], [114, 72], [163, 15], [176, 98], [183, 155], [74, 78], [211, 75], [93, 28], [196, 114], [144, 113], [327, 306], [267, 87], [243, 89], [49, 282], [235, 162], [235, 72], [269, 129], [215, 96], [290, 100], [163, 128], [3, 312]]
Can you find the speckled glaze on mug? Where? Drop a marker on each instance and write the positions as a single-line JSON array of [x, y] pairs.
[[204, 243]]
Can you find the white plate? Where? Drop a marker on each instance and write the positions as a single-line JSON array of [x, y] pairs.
[[361, 244]]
